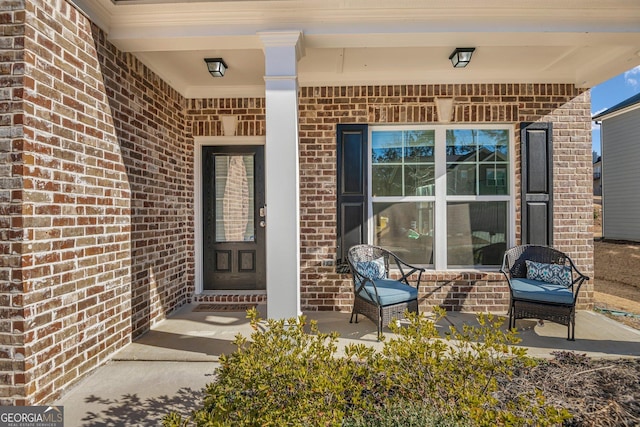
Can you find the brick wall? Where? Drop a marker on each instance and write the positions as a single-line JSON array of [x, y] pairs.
[[148, 117], [96, 200], [321, 108], [12, 365]]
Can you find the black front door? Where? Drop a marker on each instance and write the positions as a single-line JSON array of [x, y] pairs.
[[233, 218]]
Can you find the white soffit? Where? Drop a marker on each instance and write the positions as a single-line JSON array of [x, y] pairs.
[[377, 42]]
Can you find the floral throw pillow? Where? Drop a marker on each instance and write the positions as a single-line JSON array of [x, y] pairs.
[[550, 273], [372, 269]]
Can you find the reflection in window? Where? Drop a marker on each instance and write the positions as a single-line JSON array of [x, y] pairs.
[[477, 162], [405, 228], [234, 198], [476, 233], [402, 163], [474, 193]]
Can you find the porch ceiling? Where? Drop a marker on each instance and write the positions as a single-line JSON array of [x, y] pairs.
[[583, 42]]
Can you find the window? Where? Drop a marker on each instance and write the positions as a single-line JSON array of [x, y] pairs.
[[441, 196]]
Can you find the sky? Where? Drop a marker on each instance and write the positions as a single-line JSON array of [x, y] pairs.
[[609, 93]]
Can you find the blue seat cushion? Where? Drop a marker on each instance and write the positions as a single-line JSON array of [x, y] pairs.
[[389, 292], [535, 290]]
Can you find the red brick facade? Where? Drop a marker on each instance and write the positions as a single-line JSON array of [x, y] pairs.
[[97, 182], [322, 108], [97, 189]]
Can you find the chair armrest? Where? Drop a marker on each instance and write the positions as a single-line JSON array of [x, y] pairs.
[[577, 283], [574, 268], [504, 269], [411, 270]]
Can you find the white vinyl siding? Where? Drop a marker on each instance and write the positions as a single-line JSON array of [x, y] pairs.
[[620, 176]]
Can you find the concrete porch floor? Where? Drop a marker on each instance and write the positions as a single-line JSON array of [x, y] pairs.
[[166, 368]]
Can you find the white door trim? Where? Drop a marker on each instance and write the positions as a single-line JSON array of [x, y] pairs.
[[199, 142]]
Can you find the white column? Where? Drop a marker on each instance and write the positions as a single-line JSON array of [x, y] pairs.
[[282, 51]]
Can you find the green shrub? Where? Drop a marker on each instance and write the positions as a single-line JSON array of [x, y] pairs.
[[401, 414], [284, 376], [288, 376], [460, 376]]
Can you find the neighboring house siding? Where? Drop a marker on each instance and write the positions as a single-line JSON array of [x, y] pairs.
[[620, 160], [101, 205]]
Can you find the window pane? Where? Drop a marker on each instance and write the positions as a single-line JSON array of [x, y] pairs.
[[461, 179], [476, 233], [461, 145], [386, 147], [386, 180], [494, 178], [488, 150], [494, 145], [419, 180], [419, 146], [405, 229]]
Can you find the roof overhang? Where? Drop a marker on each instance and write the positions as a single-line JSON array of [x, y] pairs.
[[629, 104], [376, 42]]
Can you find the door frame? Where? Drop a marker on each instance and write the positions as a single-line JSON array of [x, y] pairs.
[[199, 143]]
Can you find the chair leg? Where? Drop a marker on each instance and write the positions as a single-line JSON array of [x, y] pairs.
[[572, 328], [512, 320], [353, 311]]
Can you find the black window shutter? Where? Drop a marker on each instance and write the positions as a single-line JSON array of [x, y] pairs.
[[537, 183], [352, 190]]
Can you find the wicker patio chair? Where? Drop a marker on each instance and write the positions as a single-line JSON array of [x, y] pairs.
[[542, 291], [377, 295]]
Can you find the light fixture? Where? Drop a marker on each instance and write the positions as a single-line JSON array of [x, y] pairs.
[[216, 66], [461, 56]]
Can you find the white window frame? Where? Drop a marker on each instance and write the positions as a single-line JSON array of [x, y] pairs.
[[441, 198]]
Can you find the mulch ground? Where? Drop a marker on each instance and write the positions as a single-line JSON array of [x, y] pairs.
[[596, 392]]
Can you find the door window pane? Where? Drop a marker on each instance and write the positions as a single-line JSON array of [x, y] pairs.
[[234, 183], [405, 228], [476, 233]]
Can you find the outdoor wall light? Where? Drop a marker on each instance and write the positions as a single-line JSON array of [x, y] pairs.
[[216, 66], [461, 57]]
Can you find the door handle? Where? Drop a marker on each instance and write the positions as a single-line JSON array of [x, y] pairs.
[[262, 211]]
